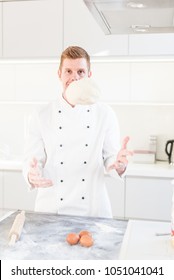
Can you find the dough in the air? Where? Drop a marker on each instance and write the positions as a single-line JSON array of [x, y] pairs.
[[84, 91]]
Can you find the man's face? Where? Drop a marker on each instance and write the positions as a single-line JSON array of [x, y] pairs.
[[73, 70]]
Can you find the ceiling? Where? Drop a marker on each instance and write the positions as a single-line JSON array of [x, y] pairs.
[[133, 17]]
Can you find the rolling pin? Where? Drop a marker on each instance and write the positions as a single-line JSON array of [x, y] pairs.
[[16, 228]]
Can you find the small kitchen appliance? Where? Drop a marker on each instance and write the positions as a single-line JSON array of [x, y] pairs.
[[169, 149]]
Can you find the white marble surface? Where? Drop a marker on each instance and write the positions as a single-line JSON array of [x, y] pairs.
[[147, 240], [44, 237]]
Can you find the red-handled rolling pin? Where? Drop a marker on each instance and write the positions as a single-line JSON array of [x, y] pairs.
[[16, 228]]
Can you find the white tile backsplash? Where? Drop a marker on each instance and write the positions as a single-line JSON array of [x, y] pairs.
[[7, 82], [30, 85], [152, 81], [113, 80], [136, 121], [37, 82], [141, 121], [13, 126]]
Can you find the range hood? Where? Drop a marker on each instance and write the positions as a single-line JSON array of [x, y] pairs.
[[132, 17]]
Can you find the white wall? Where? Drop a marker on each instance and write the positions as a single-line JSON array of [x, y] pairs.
[[141, 121], [25, 86]]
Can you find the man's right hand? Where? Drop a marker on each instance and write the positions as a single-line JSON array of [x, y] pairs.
[[35, 177]]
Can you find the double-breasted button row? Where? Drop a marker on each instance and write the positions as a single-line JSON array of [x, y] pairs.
[[62, 162], [60, 127], [81, 198], [85, 162], [61, 181]]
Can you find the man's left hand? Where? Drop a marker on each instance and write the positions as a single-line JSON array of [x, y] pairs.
[[121, 161]]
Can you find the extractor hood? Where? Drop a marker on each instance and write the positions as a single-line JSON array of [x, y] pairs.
[[132, 17]]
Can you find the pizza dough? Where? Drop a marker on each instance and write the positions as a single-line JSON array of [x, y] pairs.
[[83, 92]]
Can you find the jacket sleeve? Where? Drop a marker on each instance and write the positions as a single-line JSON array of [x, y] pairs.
[[33, 147], [111, 145]]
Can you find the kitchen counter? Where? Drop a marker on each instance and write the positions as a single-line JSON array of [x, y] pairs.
[[158, 169], [4, 213], [13, 164], [141, 242], [44, 237]]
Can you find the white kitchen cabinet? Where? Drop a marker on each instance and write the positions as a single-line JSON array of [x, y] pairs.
[[0, 30], [115, 188], [148, 198], [151, 44], [152, 82], [16, 193], [80, 28], [32, 28], [1, 189]]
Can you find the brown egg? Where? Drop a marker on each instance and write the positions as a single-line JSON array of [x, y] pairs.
[[84, 232], [86, 241], [72, 238]]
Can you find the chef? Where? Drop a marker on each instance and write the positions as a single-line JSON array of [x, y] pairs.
[[72, 142]]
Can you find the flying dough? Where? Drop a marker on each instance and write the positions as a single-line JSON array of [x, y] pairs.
[[84, 92]]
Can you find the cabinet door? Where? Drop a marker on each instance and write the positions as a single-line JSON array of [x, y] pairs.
[[152, 82], [151, 44], [148, 198], [80, 28], [1, 189], [0, 30], [16, 193], [115, 188], [32, 28]]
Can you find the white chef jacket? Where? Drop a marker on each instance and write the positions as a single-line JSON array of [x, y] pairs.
[[74, 146]]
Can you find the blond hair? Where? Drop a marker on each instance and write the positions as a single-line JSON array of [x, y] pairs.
[[74, 52]]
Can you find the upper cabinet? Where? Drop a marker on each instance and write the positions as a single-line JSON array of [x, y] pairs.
[[80, 28], [151, 44], [32, 28], [0, 30], [43, 28]]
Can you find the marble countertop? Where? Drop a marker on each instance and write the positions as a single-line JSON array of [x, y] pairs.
[[158, 169], [44, 237]]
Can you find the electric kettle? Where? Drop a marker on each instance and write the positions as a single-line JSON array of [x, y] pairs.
[[169, 149]]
